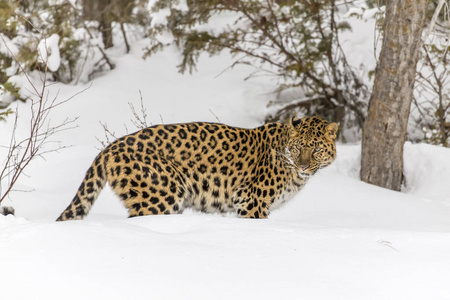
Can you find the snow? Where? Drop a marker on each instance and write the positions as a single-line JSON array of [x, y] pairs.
[[7, 47], [339, 238], [48, 50]]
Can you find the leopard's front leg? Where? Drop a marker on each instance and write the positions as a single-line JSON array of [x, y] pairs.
[[251, 203]]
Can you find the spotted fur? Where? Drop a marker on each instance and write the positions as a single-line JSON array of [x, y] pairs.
[[164, 169], [7, 210]]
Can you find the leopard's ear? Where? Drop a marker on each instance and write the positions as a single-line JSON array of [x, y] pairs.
[[330, 131], [292, 123]]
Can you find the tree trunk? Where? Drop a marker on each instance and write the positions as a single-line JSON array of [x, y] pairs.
[[105, 22], [101, 11], [384, 131]]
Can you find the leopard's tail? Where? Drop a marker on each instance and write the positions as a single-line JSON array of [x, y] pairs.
[[87, 193]]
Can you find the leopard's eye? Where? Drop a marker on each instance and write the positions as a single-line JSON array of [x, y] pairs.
[[317, 149]]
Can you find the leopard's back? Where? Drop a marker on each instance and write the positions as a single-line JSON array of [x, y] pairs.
[[188, 165]]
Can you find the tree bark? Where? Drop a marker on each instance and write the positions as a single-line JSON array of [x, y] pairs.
[[101, 11], [105, 22], [384, 131]]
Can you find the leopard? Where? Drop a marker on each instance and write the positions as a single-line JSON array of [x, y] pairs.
[[208, 167]]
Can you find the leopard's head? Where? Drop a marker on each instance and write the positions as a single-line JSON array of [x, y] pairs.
[[311, 144]]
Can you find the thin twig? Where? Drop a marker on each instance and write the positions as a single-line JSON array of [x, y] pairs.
[[217, 118], [20, 154], [139, 122]]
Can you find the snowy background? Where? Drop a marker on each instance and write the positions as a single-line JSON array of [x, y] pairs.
[[339, 238]]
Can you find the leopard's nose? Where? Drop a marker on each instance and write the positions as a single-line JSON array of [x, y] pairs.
[[305, 158]]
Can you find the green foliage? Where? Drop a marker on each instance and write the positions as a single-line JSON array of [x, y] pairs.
[[27, 55], [10, 88], [61, 20], [5, 62], [5, 114], [297, 41], [8, 22], [24, 24]]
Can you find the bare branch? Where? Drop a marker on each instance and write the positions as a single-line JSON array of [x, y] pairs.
[[434, 19], [22, 153], [139, 122], [217, 118], [109, 136]]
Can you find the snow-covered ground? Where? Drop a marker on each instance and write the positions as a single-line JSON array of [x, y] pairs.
[[339, 238]]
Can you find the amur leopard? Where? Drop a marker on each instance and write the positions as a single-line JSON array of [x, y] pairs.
[[209, 167]]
